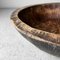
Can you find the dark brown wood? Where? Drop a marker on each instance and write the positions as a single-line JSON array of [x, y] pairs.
[[41, 23], [43, 17]]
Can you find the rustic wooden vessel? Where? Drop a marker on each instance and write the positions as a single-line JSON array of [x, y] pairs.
[[41, 23]]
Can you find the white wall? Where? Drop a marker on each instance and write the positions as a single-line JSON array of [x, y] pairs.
[[19, 3]]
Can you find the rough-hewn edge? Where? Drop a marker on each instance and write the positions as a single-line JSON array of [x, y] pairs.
[[36, 34]]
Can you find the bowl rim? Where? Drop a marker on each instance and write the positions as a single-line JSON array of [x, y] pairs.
[[40, 35]]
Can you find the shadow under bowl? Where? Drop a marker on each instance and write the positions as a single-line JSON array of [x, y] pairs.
[[41, 24]]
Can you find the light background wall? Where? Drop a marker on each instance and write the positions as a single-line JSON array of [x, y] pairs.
[[20, 3]]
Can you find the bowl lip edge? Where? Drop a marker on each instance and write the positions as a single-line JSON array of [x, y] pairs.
[[15, 15]]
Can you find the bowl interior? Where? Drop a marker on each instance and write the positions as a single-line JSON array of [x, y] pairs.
[[44, 17]]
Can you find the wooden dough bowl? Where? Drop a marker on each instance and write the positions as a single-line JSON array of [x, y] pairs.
[[40, 23]]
